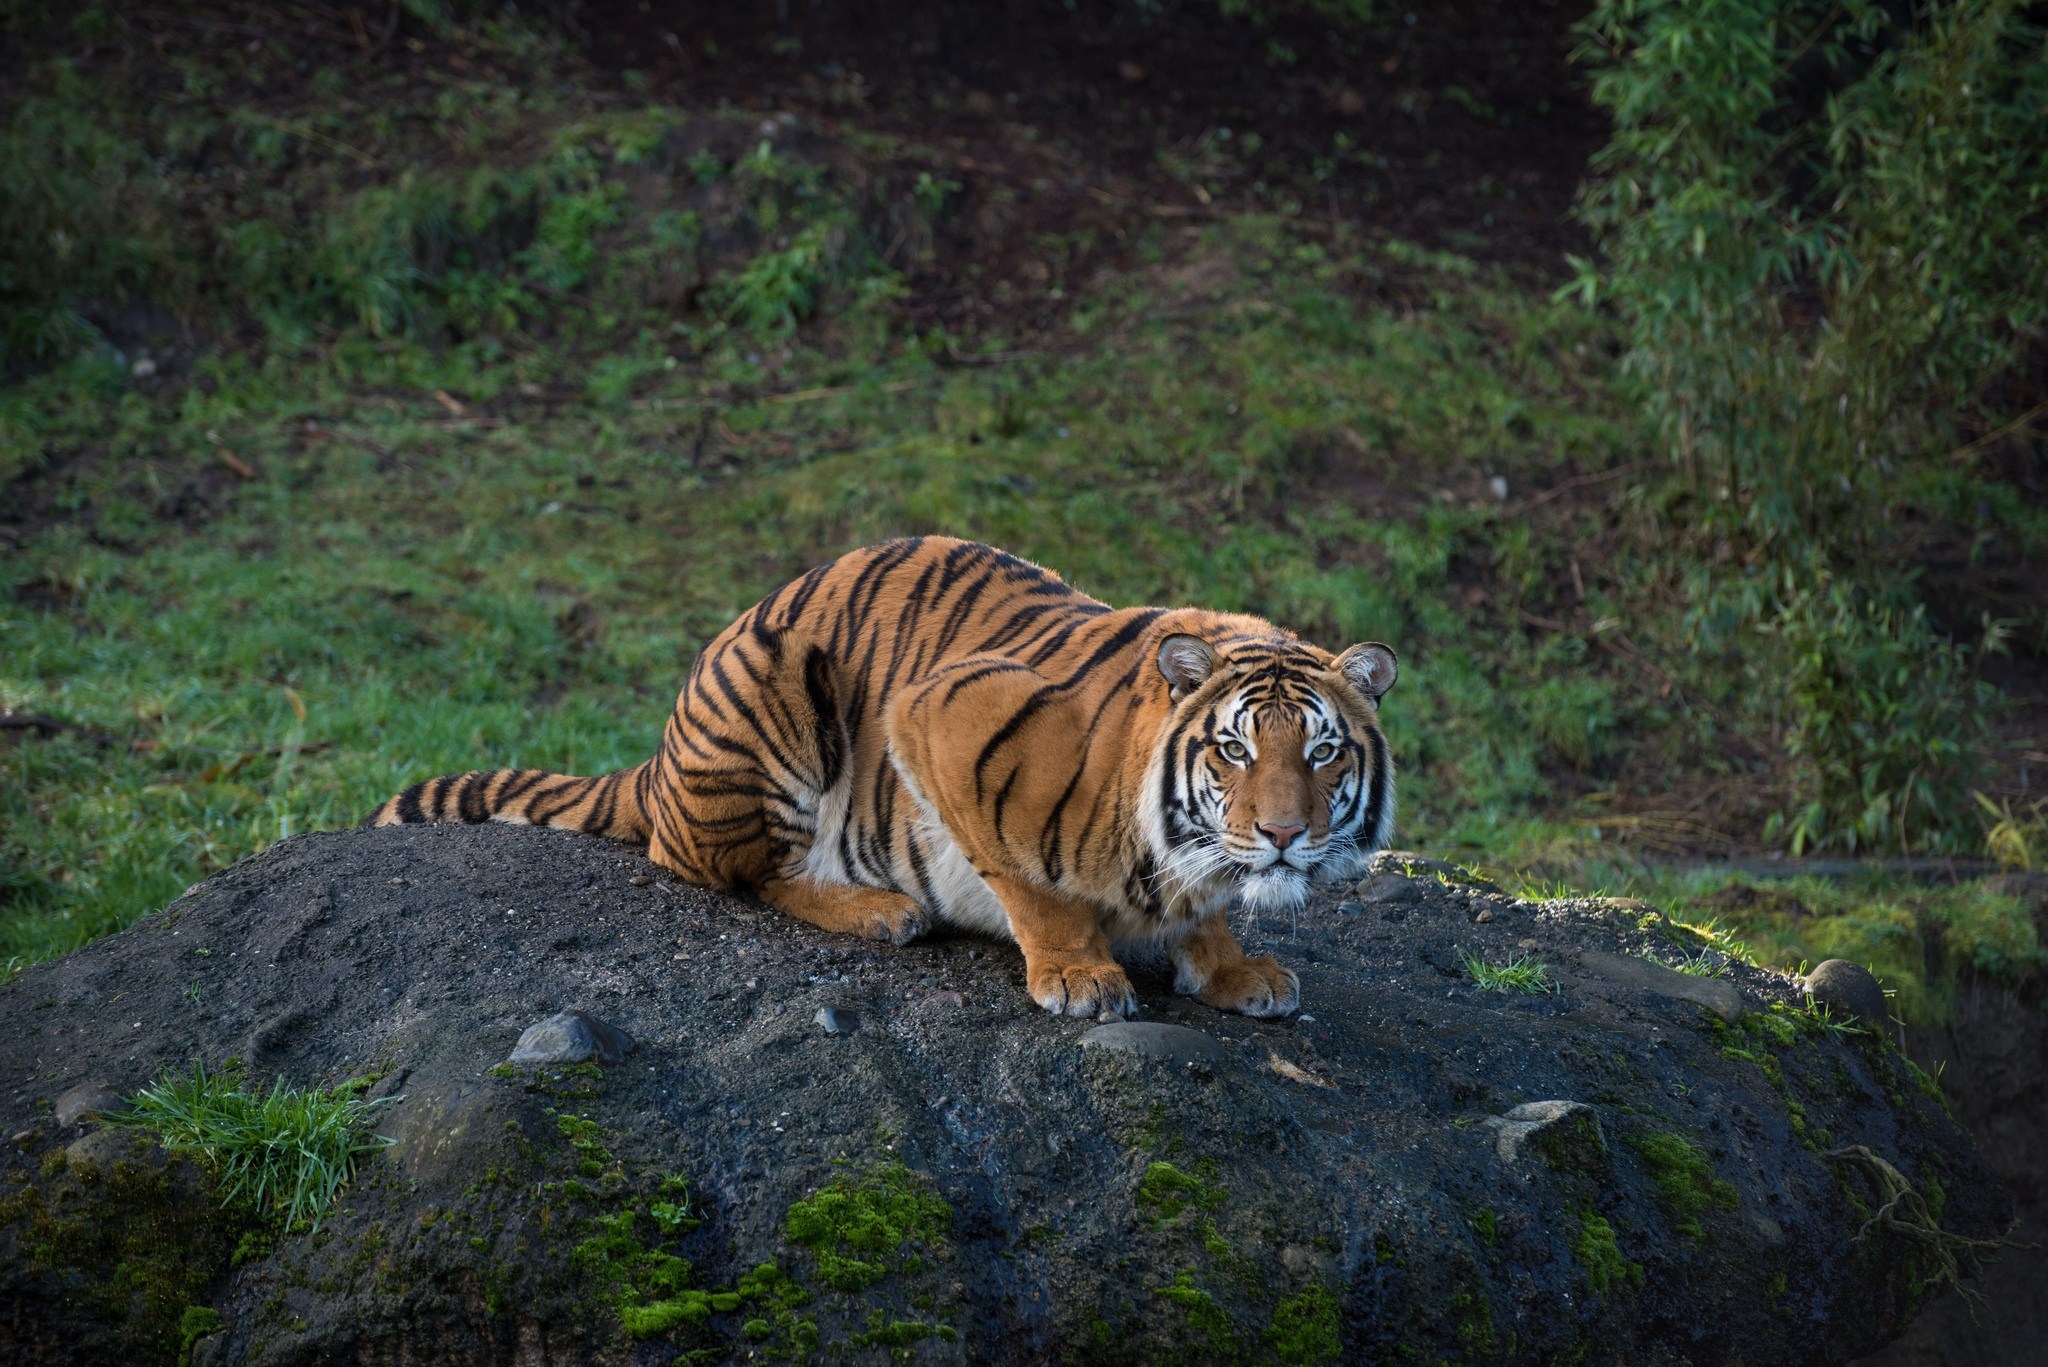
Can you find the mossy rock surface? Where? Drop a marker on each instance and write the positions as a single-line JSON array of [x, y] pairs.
[[957, 1179]]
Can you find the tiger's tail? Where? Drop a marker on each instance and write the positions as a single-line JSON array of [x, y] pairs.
[[612, 805]]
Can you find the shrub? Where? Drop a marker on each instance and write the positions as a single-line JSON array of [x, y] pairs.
[[1821, 224]]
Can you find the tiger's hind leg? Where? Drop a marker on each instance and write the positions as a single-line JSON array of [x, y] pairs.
[[873, 913]]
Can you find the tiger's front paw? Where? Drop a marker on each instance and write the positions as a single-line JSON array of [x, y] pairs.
[[1253, 987], [1080, 989], [898, 922]]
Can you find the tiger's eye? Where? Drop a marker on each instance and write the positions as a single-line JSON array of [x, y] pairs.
[[1323, 753], [1235, 753]]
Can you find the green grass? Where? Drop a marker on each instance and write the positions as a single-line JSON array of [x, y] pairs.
[[1521, 973], [286, 1153], [403, 594]]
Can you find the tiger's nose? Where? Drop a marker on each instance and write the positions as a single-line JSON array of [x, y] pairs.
[[1282, 833]]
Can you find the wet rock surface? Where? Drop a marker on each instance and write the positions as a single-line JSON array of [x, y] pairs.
[[960, 1178]]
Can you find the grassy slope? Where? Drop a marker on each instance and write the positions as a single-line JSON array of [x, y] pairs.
[[1253, 414]]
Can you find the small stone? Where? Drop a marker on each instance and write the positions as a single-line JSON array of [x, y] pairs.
[[101, 1150], [1848, 991], [1485, 915], [1566, 1133], [572, 1037], [1386, 888], [1175, 1044], [22, 1138], [86, 1101], [945, 999], [1350, 907], [640, 880], [142, 368], [837, 1020]]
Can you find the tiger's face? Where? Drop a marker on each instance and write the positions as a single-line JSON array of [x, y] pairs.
[[1272, 773]]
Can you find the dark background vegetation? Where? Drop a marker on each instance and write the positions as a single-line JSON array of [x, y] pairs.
[[391, 389]]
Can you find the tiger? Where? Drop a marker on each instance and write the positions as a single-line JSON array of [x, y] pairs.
[[933, 731]]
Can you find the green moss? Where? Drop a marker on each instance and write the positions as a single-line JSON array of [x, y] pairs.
[[1599, 1253], [1204, 1316], [1166, 1191], [1685, 1180], [887, 1333], [137, 1243], [195, 1324], [648, 1286], [1485, 1224], [780, 1329], [1304, 1329], [857, 1229], [593, 1159], [1475, 1323]]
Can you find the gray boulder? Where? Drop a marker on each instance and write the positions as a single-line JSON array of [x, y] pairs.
[[963, 1177]]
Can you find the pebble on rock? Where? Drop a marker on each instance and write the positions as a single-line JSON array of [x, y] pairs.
[[1155, 1039], [837, 1020], [1849, 992], [1565, 1132], [86, 1101], [572, 1037]]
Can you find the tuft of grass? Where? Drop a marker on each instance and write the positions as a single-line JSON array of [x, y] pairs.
[[287, 1154], [1705, 964], [1521, 973], [1715, 936], [2015, 839]]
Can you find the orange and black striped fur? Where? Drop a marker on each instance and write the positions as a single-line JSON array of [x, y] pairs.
[[931, 730]]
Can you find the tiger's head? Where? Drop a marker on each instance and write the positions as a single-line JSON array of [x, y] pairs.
[[1270, 773]]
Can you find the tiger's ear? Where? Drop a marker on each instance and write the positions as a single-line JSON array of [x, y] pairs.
[[1187, 662], [1370, 668]]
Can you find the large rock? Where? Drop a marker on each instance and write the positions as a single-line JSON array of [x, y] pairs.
[[958, 1178]]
